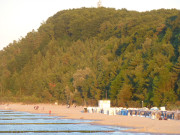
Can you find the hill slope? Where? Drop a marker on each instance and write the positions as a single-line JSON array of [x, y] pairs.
[[83, 55]]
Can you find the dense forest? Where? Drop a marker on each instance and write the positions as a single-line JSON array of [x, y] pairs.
[[83, 55]]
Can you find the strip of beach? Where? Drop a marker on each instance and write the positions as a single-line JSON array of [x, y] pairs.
[[136, 124]]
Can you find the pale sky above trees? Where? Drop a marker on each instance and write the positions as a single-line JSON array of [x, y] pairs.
[[18, 17]]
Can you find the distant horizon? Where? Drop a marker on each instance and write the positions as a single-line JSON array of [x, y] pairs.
[[20, 17]]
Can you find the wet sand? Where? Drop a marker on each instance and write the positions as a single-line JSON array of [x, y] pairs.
[[138, 124]]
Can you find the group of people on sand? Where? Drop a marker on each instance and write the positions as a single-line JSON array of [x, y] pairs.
[[68, 106], [37, 107]]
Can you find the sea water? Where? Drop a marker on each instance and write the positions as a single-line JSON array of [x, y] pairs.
[[23, 123]]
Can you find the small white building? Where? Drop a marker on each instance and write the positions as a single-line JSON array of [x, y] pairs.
[[99, 4], [163, 108], [104, 104]]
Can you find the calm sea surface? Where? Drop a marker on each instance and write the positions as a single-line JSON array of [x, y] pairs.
[[23, 123]]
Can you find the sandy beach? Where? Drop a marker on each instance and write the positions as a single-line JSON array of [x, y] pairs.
[[138, 124]]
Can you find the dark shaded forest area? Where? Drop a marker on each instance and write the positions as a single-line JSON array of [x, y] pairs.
[[84, 55]]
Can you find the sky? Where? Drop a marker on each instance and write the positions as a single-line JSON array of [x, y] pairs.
[[18, 17]]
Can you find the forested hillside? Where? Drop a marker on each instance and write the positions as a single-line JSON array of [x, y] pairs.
[[84, 55]]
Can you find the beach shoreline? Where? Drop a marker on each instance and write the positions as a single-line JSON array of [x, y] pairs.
[[136, 124]]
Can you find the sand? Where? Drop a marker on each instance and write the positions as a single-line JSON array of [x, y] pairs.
[[137, 124]]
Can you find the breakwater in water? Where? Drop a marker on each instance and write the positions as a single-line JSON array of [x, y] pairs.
[[17, 123]]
